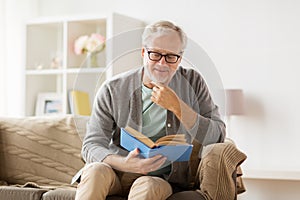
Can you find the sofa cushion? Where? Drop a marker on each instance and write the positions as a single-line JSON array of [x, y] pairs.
[[69, 194], [60, 194], [45, 150], [11, 192]]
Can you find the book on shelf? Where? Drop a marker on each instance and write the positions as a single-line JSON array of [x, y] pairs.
[[79, 102], [174, 147]]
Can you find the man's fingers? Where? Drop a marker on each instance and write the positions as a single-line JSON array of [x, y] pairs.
[[159, 85], [134, 153], [154, 158], [158, 163], [153, 83], [155, 162]]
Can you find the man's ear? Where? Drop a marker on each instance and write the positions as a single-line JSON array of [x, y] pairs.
[[179, 60], [143, 52]]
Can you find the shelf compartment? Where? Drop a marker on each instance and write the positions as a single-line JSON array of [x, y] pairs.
[[44, 44], [84, 27], [87, 82], [39, 84]]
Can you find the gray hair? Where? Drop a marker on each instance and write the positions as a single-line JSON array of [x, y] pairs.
[[160, 28]]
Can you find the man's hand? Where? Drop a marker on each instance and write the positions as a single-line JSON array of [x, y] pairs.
[[143, 165], [134, 163], [168, 99], [165, 97]]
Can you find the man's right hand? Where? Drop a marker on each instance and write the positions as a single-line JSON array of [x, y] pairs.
[[134, 163]]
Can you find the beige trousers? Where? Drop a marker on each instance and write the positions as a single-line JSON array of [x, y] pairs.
[[215, 171], [99, 180]]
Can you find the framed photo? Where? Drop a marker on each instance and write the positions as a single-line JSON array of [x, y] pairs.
[[48, 104]]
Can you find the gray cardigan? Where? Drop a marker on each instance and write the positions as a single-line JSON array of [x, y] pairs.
[[118, 103]]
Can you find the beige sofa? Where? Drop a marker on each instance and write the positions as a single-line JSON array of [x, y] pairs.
[[40, 155]]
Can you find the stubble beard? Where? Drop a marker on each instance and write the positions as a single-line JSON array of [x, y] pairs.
[[162, 80]]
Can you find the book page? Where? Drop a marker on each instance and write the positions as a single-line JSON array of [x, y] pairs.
[[171, 140], [138, 135]]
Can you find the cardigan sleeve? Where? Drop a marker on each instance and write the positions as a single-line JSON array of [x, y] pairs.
[[100, 129], [209, 127]]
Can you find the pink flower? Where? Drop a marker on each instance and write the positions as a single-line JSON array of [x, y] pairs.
[[94, 43], [80, 43]]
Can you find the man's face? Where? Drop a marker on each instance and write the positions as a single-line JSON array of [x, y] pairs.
[[161, 71]]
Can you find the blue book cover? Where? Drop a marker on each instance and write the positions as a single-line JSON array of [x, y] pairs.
[[175, 152]]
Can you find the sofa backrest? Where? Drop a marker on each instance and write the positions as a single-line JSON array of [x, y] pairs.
[[44, 150]]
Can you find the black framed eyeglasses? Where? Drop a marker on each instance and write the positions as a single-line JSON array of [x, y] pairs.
[[169, 58]]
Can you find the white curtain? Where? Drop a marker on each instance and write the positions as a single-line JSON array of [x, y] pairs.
[[2, 59], [13, 17]]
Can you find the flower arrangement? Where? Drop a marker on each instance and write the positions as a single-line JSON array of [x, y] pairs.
[[89, 44]]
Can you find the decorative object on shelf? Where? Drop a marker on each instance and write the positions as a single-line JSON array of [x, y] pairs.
[[91, 59], [79, 102], [91, 45], [234, 105], [48, 104], [39, 67], [56, 63]]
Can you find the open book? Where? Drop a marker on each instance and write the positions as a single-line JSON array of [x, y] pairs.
[[166, 140], [174, 147]]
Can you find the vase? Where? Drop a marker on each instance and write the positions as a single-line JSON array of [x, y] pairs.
[[91, 60]]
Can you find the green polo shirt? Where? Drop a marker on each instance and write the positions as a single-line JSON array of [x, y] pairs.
[[154, 120]]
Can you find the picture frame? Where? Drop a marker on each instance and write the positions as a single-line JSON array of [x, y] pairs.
[[48, 103]]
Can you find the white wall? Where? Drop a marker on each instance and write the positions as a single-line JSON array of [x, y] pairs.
[[270, 190], [255, 47], [14, 15]]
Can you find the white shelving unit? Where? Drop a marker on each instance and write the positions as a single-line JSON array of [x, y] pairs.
[[50, 38]]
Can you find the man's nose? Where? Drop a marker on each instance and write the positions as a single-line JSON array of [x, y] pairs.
[[162, 60]]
